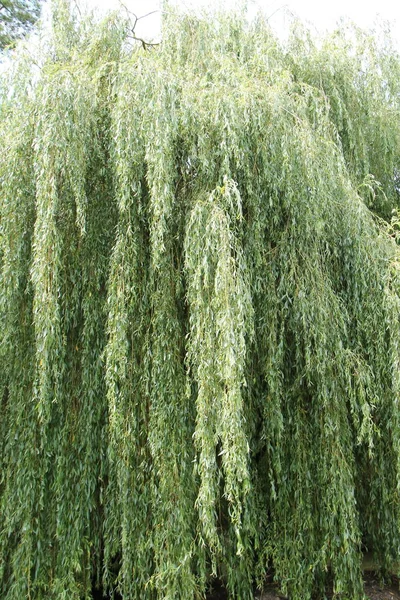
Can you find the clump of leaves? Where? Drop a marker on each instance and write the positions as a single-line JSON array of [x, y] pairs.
[[17, 17]]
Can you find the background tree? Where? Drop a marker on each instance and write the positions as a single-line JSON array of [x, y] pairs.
[[16, 18], [199, 312]]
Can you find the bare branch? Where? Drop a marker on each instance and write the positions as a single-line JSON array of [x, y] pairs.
[[145, 44], [7, 8], [147, 15], [133, 35]]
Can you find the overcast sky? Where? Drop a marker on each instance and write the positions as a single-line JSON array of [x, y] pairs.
[[323, 14]]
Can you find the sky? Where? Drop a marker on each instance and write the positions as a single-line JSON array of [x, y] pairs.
[[320, 14]]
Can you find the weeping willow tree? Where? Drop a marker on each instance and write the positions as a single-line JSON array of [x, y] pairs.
[[199, 304]]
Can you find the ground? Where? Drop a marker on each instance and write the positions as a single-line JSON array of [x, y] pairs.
[[373, 590]]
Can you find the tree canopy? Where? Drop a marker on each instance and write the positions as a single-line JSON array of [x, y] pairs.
[[199, 304], [16, 18]]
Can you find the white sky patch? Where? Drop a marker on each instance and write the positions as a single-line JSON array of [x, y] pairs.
[[320, 15]]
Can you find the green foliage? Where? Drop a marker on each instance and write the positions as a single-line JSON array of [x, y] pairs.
[[16, 18], [199, 303]]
